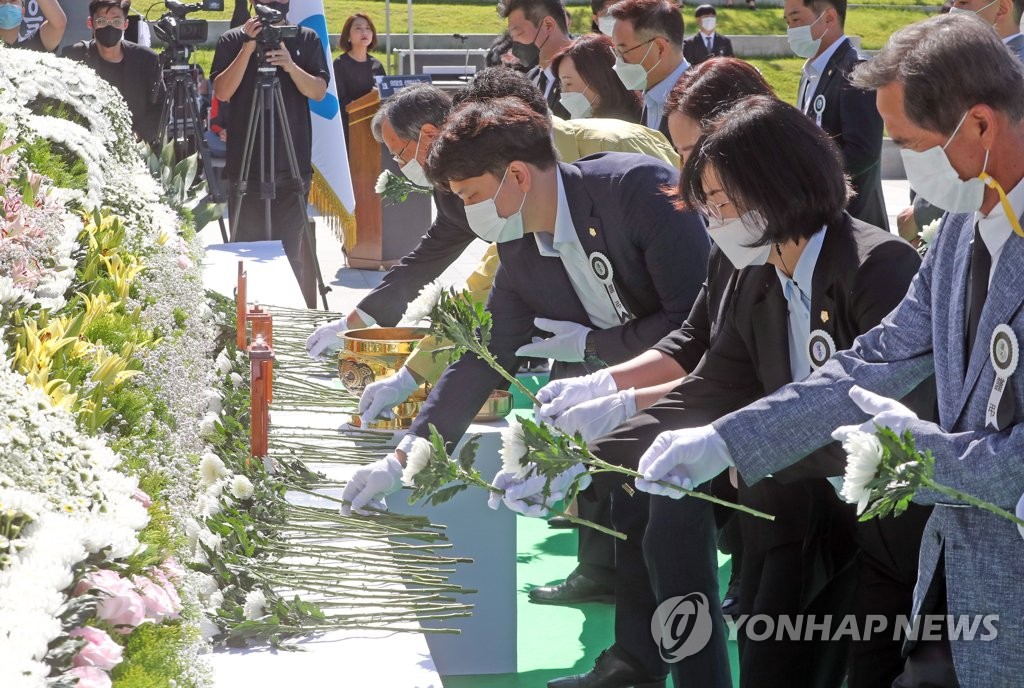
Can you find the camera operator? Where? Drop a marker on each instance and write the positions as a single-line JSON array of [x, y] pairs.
[[303, 73], [46, 37], [132, 69]]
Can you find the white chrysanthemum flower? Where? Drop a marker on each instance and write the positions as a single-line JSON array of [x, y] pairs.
[[214, 401], [417, 460], [208, 628], [212, 469], [241, 487], [207, 426], [255, 604], [223, 363], [420, 307], [382, 181], [236, 380], [927, 233], [513, 449], [864, 454]]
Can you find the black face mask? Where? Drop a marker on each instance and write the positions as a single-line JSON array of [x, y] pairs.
[[108, 36], [527, 53]]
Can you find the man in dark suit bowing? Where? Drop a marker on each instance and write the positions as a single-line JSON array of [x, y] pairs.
[[538, 30], [706, 42], [826, 95], [594, 252]]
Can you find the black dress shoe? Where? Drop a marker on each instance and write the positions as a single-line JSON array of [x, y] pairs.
[[610, 671], [573, 590], [560, 522]]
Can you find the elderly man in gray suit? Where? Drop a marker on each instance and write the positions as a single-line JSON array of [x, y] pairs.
[[961, 132]]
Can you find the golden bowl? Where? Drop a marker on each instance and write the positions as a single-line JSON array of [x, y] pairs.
[[497, 406], [374, 353]]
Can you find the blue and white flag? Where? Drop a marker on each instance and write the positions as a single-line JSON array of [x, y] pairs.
[[331, 193]]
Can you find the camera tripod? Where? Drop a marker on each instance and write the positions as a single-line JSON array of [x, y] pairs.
[[180, 121], [268, 108]]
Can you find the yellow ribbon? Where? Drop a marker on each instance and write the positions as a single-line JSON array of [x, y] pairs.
[[1004, 201]]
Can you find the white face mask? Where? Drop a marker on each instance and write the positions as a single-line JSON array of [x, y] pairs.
[[577, 104], [932, 176], [735, 235], [708, 24], [485, 222], [634, 76], [801, 42], [964, 10], [605, 24], [413, 170]]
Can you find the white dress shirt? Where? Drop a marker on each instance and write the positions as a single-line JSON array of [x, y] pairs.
[[797, 291], [995, 228], [655, 96], [565, 245], [812, 71]]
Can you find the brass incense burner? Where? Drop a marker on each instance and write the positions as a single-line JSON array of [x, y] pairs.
[[377, 353]]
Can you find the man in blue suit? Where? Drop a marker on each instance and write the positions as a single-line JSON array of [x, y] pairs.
[[595, 253], [961, 133]]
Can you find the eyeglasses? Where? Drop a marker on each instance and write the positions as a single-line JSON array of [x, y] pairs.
[[712, 209], [397, 157], [623, 53], [103, 22]]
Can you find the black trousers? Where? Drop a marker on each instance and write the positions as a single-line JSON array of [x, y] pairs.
[[669, 552], [288, 211]]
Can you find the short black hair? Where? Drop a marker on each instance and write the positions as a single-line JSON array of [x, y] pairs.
[[97, 5], [535, 11], [705, 11], [657, 17], [820, 6], [502, 82], [773, 159], [485, 137]]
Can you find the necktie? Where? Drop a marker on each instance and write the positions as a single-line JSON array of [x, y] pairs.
[[542, 83], [981, 265], [708, 40], [799, 330]]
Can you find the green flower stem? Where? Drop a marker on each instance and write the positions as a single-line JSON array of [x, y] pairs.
[[970, 499]]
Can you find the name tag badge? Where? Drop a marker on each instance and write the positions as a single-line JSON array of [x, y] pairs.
[[1004, 354], [820, 347], [602, 268], [819, 109]]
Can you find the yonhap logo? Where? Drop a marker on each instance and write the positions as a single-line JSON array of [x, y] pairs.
[[681, 626]]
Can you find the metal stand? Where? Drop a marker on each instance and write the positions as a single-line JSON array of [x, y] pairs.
[[268, 103]]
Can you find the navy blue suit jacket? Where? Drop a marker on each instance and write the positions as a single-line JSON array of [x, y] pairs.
[[659, 254]]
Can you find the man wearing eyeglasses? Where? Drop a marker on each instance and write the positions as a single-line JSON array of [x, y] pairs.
[[648, 38], [132, 69], [45, 38]]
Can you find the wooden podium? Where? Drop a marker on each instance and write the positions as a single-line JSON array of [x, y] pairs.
[[384, 232]]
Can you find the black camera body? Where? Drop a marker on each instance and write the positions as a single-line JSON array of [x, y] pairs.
[[175, 30], [272, 35]]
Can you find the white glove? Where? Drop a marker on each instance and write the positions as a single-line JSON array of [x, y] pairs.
[[559, 395], [884, 412], [380, 396], [687, 457], [1020, 515], [370, 484], [598, 417], [524, 495], [568, 341], [324, 339]]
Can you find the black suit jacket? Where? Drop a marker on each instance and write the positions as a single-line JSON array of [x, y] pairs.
[[852, 120], [446, 239], [554, 95], [659, 258], [862, 273], [696, 51]]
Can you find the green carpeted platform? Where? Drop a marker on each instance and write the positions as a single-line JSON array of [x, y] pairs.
[[557, 641]]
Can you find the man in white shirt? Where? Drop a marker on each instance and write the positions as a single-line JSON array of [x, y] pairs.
[[707, 42], [538, 29]]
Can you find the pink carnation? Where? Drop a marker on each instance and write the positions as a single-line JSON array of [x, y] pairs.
[[173, 569], [91, 677], [159, 605], [121, 606], [100, 650], [142, 498], [184, 262]]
